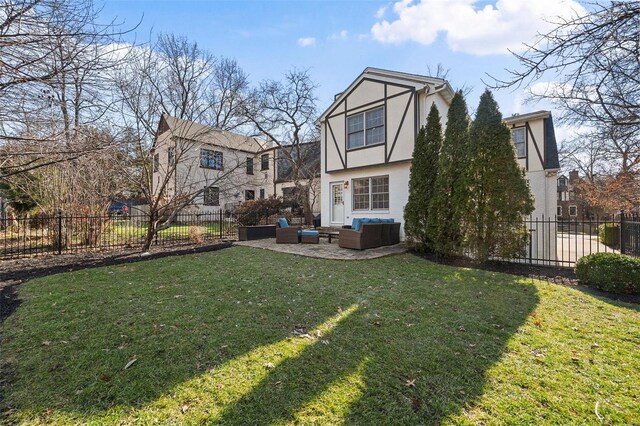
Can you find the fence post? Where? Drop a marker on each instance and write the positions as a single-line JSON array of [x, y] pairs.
[[59, 231], [621, 236], [220, 224]]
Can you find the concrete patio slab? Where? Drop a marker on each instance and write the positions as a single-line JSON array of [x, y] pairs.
[[325, 250]]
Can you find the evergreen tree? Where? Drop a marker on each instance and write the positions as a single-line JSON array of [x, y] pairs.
[[424, 171], [499, 192], [449, 201]]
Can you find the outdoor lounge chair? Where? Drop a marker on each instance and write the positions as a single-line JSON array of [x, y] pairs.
[[286, 234]]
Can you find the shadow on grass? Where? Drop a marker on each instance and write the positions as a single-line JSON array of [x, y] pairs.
[[417, 358], [414, 347]]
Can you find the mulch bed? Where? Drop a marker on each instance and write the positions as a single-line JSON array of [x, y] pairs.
[[16, 271]]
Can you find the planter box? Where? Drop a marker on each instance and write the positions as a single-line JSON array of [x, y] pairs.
[[259, 232]]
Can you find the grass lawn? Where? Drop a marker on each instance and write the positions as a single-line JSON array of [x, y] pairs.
[[244, 336], [124, 229]]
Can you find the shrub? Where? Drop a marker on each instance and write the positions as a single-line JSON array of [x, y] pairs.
[[609, 234], [196, 234], [612, 272], [254, 212]]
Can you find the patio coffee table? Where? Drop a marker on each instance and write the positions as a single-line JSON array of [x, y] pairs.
[[329, 235]]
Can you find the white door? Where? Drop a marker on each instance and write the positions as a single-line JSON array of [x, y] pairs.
[[337, 203]]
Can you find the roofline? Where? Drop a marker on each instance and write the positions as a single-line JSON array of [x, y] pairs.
[[415, 78], [258, 141], [527, 116], [419, 78]]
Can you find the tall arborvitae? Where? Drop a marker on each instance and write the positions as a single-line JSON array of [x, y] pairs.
[[424, 170], [499, 194], [449, 201]]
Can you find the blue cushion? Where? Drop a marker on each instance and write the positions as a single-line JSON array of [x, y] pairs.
[[283, 222], [387, 220], [375, 220], [309, 233], [355, 224]]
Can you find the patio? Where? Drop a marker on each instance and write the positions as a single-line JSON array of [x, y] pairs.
[[325, 250]]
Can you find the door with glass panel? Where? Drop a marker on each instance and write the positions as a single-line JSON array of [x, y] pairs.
[[337, 203]]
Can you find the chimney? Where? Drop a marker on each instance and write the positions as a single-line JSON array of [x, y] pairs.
[[573, 176]]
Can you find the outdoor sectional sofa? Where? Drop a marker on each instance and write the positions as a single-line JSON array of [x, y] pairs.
[[370, 233]]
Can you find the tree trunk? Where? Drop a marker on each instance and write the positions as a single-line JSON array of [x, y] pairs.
[[151, 233]]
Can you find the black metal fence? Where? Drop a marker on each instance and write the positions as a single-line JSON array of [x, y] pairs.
[[69, 233], [550, 241], [557, 242]]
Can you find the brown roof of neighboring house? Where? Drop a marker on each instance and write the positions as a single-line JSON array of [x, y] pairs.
[[210, 135]]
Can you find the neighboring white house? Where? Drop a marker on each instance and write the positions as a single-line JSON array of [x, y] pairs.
[[367, 140], [229, 167], [534, 138]]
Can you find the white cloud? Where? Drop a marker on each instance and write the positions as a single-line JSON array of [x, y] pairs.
[[342, 35], [306, 41], [380, 13], [491, 29]]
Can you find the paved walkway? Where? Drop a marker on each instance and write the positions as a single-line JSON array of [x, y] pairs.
[[324, 249]]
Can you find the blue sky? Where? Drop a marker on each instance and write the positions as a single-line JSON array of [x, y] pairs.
[[336, 40]]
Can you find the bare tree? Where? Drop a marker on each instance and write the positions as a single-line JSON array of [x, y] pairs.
[[176, 79], [226, 95], [593, 59], [285, 112], [55, 58]]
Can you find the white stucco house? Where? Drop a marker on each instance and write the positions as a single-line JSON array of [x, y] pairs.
[[225, 168], [367, 140]]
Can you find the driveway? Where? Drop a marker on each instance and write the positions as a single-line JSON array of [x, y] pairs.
[[571, 247]]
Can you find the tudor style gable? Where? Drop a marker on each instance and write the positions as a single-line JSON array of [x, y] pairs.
[[376, 119]]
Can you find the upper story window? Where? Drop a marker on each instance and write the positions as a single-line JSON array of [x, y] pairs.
[[261, 193], [264, 162], [156, 162], [366, 128], [249, 194], [562, 181], [371, 193], [249, 165], [519, 138], [210, 159]]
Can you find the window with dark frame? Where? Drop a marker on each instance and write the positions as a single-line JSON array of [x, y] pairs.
[[371, 193], [559, 211], [211, 196], [519, 138], [573, 210], [264, 162], [210, 159], [366, 128], [262, 193], [156, 162], [249, 165], [249, 194]]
